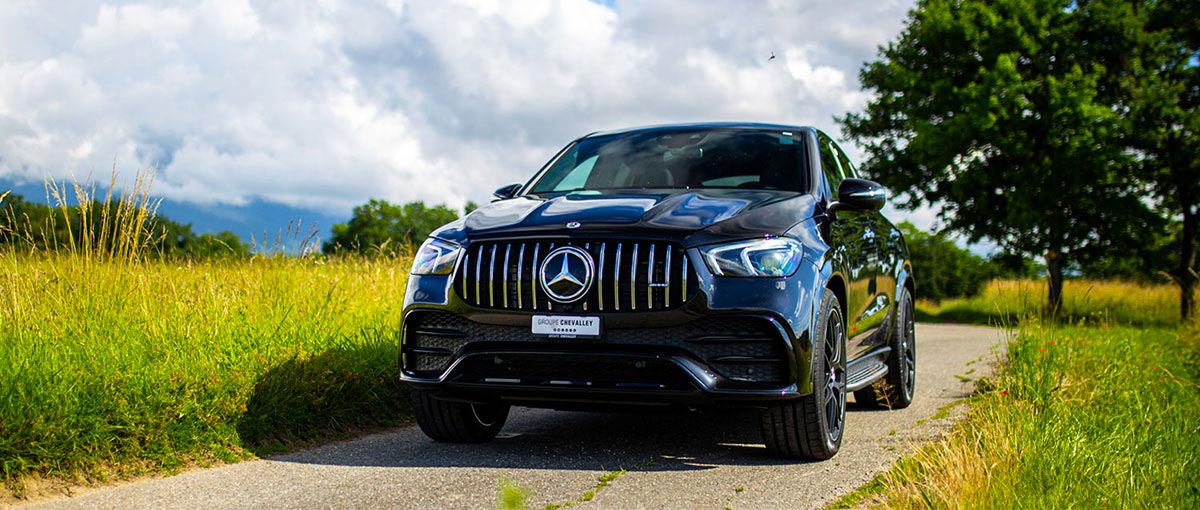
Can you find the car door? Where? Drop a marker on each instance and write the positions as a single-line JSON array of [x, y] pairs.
[[880, 265], [852, 235]]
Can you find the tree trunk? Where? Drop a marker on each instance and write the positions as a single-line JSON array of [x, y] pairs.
[[1185, 275], [1054, 270]]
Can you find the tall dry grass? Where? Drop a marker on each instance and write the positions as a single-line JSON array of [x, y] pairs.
[[94, 229], [1084, 302]]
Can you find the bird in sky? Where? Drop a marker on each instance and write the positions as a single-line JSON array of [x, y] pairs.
[[772, 57]]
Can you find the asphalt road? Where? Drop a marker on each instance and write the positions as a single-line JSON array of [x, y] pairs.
[[672, 461]]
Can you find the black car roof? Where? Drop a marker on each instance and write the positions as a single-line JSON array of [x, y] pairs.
[[699, 125]]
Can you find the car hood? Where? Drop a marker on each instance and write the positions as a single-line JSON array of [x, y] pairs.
[[692, 217]]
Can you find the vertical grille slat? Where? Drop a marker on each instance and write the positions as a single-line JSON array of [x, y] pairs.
[[683, 274], [478, 265], [617, 279], [667, 276], [507, 252], [650, 279], [549, 302], [465, 265], [533, 274], [492, 279], [630, 276], [633, 278], [600, 280], [520, 279]]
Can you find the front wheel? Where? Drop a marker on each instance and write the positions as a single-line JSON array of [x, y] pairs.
[[811, 427], [457, 422]]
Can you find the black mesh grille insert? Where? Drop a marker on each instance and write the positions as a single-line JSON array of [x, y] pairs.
[[596, 371]]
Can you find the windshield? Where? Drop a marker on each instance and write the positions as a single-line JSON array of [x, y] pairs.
[[687, 158]]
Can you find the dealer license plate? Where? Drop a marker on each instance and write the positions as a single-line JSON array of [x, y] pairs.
[[566, 326]]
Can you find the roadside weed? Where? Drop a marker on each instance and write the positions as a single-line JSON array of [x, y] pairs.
[[511, 496]]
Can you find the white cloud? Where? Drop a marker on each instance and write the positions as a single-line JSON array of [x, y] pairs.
[[325, 104]]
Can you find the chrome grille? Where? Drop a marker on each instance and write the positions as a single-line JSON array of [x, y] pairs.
[[631, 276]]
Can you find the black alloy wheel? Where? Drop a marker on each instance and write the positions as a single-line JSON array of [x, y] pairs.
[[811, 427]]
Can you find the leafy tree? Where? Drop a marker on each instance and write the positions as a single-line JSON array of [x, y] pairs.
[[1162, 82], [999, 111], [221, 245], [1010, 265], [378, 224], [946, 271], [1147, 261]]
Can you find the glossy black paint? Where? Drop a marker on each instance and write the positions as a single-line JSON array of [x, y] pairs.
[[506, 192], [860, 194], [691, 217], [849, 248]]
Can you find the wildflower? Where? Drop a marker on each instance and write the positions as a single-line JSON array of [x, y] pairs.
[[1053, 342], [1004, 392], [1041, 349]]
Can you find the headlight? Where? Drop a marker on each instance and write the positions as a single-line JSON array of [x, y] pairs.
[[435, 257], [769, 257]]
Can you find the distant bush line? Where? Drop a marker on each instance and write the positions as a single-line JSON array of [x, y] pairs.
[[375, 228]]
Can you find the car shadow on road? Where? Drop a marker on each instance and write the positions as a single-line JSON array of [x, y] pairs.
[[540, 439]]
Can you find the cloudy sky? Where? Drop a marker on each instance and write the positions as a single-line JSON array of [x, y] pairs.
[[318, 106]]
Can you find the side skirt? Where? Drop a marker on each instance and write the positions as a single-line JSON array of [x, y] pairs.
[[867, 369]]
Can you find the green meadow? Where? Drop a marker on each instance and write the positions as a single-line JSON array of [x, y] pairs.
[[115, 363], [114, 368]]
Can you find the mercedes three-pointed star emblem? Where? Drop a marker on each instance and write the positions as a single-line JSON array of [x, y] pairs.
[[566, 274]]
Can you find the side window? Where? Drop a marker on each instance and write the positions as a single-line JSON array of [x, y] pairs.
[[830, 164], [848, 169]]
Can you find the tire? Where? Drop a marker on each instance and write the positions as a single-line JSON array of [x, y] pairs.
[[457, 422], [895, 390], [811, 427]]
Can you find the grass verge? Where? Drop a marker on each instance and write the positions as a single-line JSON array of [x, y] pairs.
[[1081, 418]]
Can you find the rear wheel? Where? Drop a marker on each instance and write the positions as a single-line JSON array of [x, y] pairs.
[[811, 427], [895, 390], [457, 422]]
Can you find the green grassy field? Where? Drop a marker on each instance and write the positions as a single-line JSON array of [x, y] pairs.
[[1008, 302], [111, 367]]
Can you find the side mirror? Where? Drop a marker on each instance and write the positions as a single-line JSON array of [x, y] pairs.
[[506, 192], [860, 194]]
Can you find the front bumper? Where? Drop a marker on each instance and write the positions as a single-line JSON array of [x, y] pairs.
[[742, 343], [715, 360]]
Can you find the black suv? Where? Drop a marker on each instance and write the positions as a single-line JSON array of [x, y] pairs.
[[688, 266]]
